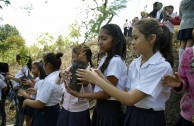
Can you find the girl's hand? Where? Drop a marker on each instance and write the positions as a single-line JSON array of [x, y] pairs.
[[74, 93], [89, 75], [9, 76], [31, 91], [22, 92], [27, 82], [172, 80], [66, 75], [25, 103]]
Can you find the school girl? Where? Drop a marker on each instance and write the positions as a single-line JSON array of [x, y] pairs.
[[49, 93], [24, 71], [75, 111], [108, 111], [38, 76], [146, 97]]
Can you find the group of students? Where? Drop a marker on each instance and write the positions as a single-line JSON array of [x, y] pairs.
[[148, 78]]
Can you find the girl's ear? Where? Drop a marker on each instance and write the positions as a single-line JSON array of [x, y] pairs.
[[152, 38]]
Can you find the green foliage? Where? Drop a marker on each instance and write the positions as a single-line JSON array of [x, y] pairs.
[[45, 42], [35, 51], [101, 14], [10, 42], [74, 31], [6, 31], [23, 53], [97, 13]]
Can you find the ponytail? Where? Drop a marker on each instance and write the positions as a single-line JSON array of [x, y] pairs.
[[165, 45]]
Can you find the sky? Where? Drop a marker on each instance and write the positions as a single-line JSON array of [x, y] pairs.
[[54, 16]]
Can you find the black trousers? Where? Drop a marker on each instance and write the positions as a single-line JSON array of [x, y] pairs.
[[3, 113], [125, 32], [19, 111]]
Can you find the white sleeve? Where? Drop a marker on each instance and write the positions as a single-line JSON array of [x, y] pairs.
[[2, 84], [45, 92], [115, 67]]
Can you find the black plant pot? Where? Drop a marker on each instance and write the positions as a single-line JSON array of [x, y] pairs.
[[22, 86], [73, 82]]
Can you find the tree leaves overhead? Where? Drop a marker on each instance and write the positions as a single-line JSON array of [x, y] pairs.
[[6, 31], [10, 42], [101, 13]]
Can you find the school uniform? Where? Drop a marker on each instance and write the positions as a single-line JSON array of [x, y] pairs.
[[108, 112], [19, 74], [168, 24], [75, 111], [19, 99], [37, 85], [28, 111], [49, 93], [186, 15], [147, 78]]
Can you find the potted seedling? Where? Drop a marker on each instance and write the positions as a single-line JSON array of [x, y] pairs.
[[79, 62]]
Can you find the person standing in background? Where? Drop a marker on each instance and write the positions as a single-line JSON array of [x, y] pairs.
[[130, 29], [186, 14], [169, 15], [125, 26]]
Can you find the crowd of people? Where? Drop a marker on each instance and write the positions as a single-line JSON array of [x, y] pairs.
[[45, 95]]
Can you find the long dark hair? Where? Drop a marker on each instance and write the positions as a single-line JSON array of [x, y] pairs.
[[119, 43], [41, 70], [163, 41]]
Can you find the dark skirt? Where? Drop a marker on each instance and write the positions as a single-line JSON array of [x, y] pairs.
[[180, 121], [107, 113], [46, 117], [67, 118], [185, 34], [28, 111], [143, 117]]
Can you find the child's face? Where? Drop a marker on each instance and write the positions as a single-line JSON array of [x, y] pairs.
[[140, 44], [35, 70], [105, 41], [169, 10]]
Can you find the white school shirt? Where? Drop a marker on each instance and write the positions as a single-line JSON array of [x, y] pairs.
[[125, 25], [74, 104], [37, 85], [116, 68], [147, 79], [49, 92], [20, 73], [159, 12], [2, 85]]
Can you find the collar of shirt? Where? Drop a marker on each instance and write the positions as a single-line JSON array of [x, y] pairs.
[[153, 60], [51, 74]]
